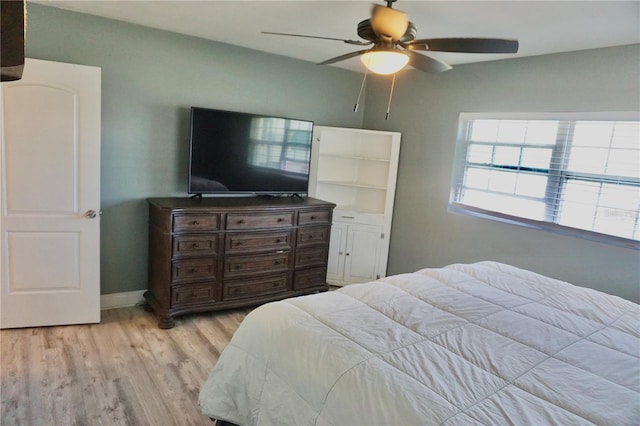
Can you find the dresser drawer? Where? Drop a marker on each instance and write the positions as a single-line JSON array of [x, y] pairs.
[[257, 241], [192, 294], [196, 222], [263, 220], [254, 288], [237, 266], [195, 245], [311, 257], [193, 270], [313, 235], [307, 278], [314, 216]]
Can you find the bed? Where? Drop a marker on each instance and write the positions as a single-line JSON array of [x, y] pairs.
[[479, 344]]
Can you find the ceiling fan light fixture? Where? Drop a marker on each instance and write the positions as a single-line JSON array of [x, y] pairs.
[[384, 61]]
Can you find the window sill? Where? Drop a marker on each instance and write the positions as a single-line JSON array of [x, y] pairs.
[[464, 209]]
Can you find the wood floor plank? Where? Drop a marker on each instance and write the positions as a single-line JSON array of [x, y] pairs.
[[123, 371], [120, 405], [15, 380]]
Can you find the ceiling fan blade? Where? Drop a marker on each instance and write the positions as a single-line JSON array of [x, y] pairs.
[[356, 42], [465, 45], [343, 57], [427, 63]]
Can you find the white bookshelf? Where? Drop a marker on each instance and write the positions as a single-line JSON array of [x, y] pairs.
[[357, 170]]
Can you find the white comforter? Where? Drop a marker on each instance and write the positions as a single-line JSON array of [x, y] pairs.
[[463, 345]]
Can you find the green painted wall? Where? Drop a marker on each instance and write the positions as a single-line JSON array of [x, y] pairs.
[[425, 109], [150, 78]]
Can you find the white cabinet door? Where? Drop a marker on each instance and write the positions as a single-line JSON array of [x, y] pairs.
[[337, 246], [50, 203], [362, 252], [354, 252]]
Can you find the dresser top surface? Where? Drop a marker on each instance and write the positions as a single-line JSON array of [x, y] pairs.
[[238, 202]]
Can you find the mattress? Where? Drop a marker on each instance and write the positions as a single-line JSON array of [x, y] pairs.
[[478, 344]]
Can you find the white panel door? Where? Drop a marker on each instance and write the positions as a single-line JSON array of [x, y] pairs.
[[362, 253], [50, 203]]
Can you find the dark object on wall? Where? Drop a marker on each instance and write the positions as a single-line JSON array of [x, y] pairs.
[[12, 35]]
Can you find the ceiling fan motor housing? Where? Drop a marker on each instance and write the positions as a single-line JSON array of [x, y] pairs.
[[389, 23], [365, 31]]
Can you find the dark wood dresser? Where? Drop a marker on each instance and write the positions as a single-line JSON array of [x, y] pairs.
[[217, 253]]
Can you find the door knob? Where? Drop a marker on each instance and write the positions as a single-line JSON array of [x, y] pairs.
[[90, 214]]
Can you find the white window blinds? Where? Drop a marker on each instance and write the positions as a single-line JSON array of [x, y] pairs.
[[563, 171]]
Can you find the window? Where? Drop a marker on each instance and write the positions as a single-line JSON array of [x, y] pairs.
[[569, 172]]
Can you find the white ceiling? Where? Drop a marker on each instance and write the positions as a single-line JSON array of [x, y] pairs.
[[541, 26]]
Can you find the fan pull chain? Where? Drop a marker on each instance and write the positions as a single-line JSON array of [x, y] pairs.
[[393, 83], [366, 73]]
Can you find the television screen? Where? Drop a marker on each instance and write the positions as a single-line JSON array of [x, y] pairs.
[[248, 153]]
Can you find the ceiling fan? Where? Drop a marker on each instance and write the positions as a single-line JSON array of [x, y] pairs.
[[395, 46]]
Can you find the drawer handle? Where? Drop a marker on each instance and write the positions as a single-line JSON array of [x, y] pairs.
[[348, 217], [276, 262], [237, 267], [312, 218], [193, 270], [241, 222], [280, 219], [278, 240], [194, 245], [311, 237], [195, 222], [238, 243]]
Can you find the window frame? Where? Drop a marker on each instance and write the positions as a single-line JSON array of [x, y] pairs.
[[556, 176]]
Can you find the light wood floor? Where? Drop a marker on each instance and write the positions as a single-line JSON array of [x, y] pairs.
[[123, 371]]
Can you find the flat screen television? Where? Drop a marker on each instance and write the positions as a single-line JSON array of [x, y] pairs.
[[235, 152]]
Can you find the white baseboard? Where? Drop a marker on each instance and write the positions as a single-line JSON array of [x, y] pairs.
[[121, 300]]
